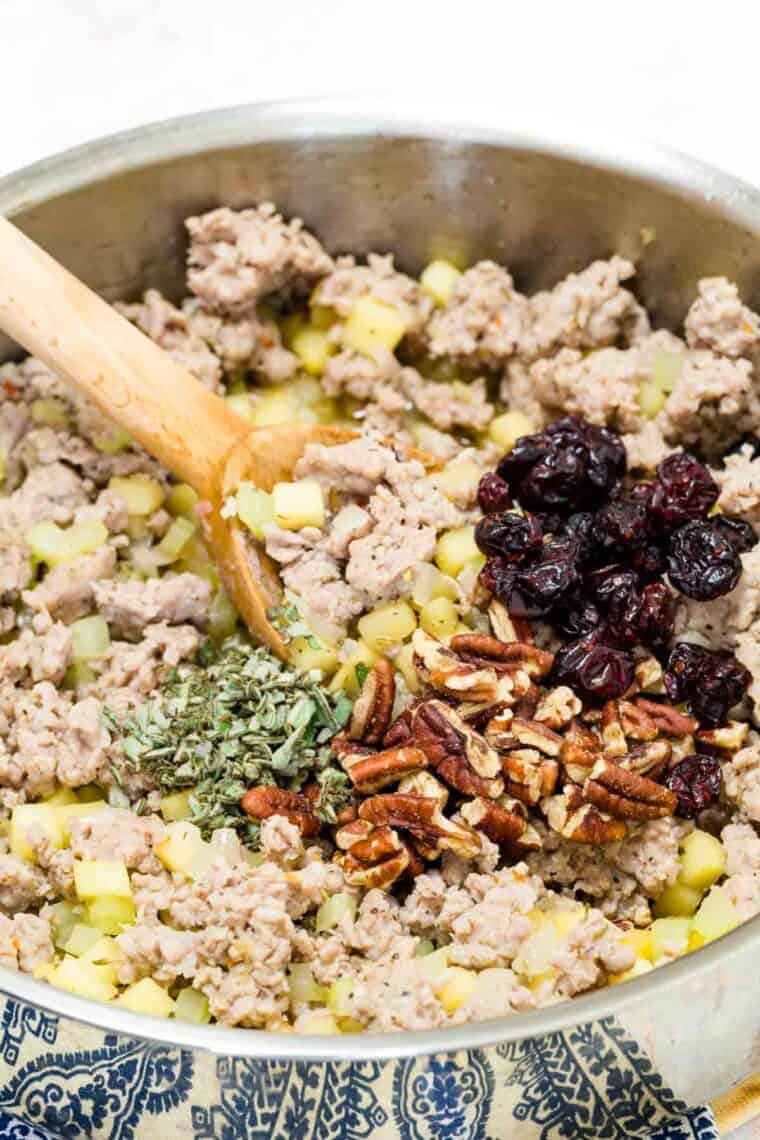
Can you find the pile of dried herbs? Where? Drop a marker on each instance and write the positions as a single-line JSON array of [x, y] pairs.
[[238, 718]]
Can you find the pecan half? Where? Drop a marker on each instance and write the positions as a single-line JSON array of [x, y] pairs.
[[648, 675], [341, 747], [265, 801], [506, 627], [504, 656], [636, 721], [573, 818], [373, 708], [379, 769], [529, 775], [613, 737], [425, 784], [728, 737], [669, 721], [449, 674], [558, 707], [523, 733], [422, 817], [580, 751], [501, 823], [400, 732], [460, 756], [651, 758], [627, 795]]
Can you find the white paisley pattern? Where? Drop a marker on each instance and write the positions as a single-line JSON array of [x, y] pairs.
[[62, 1080]]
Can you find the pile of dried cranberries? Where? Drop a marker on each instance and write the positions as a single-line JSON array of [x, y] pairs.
[[567, 540]]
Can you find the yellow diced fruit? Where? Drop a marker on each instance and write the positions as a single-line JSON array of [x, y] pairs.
[[141, 494], [174, 542], [62, 796], [438, 279], [105, 950], [242, 404], [185, 850], [640, 967], [373, 325], [677, 899], [51, 413], [191, 1005], [349, 677], [333, 910], [111, 914], [312, 347], [176, 806], [63, 917], [182, 499], [146, 996], [303, 985], [565, 920], [430, 583], [339, 996], [66, 812], [39, 816], [53, 545], [81, 939], [455, 548], [666, 370], [94, 877], [317, 1021], [439, 618], [459, 481], [90, 638], [387, 625], [670, 937], [322, 316], [404, 662], [651, 399], [454, 987], [640, 942], [84, 979], [715, 916], [275, 406], [255, 508], [506, 429], [222, 616], [305, 656], [297, 505], [435, 965], [703, 860]]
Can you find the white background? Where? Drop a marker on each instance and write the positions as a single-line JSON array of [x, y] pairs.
[[682, 72]]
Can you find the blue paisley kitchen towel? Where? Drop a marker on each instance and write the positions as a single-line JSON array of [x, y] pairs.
[[66, 1080]]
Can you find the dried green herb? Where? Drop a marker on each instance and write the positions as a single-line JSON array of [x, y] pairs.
[[238, 718]]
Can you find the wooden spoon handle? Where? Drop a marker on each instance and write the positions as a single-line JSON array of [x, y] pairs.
[[76, 333]]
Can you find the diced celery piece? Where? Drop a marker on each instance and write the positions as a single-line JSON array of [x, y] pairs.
[[88, 794], [95, 877], [387, 625], [81, 939], [176, 806], [90, 638], [423, 948], [439, 618], [312, 347], [373, 325], [182, 499], [141, 494], [455, 548], [439, 279], [111, 913], [52, 413], [85, 979], [255, 508], [112, 439], [290, 326], [506, 429], [191, 1005], [275, 406], [303, 986], [146, 996], [299, 504], [334, 910], [242, 404], [53, 545], [176, 539], [39, 816], [305, 656], [62, 796], [222, 616]]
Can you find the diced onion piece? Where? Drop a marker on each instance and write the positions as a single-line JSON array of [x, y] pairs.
[[703, 860], [255, 508], [387, 625], [191, 1005], [111, 913], [42, 817], [506, 429], [95, 877], [438, 279], [306, 657], [334, 910], [455, 548], [84, 979], [299, 504], [303, 986], [51, 412], [141, 494], [182, 499], [82, 938], [372, 326], [176, 806], [176, 539], [90, 638], [146, 996], [312, 347], [439, 618]]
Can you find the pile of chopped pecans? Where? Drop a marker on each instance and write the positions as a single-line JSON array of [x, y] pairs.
[[491, 740]]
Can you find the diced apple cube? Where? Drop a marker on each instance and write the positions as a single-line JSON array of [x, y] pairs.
[[715, 916], [105, 950], [85, 979], [640, 967], [303, 985], [439, 279], [670, 937], [222, 616], [439, 618], [111, 914], [80, 940], [506, 429], [52, 413], [297, 505], [313, 348], [677, 899], [455, 548], [651, 399], [349, 676], [146, 996], [454, 987], [373, 325], [176, 539], [141, 494], [388, 625], [459, 480], [90, 638], [275, 406], [255, 508], [305, 656], [703, 860], [339, 996], [191, 1005], [316, 1021], [182, 499], [404, 662], [176, 806], [430, 583], [640, 942], [334, 909], [63, 917], [181, 846], [25, 816], [95, 877], [433, 966]]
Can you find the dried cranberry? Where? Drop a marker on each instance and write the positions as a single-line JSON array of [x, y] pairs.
[[510, 535], [596, 670], [493, 494], [607, 582], [655, 619], [497, 576], [550, 521], [619, 528], [711, 682], [642, 492], [695, 781], [649, 561], [740, 534], [542, 583], [702, 563], [576, 617], [580, 526], [623, 611], [685, 490]]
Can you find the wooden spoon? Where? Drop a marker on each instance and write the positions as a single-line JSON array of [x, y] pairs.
[[162, 406]]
